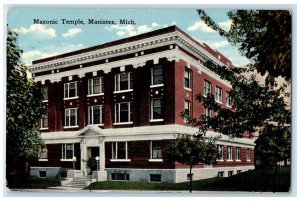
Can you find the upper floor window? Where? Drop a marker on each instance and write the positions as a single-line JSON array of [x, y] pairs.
[[157, 75], [123, 81], [123, 112], [248, 154], [218, 94], [187, 107], [156, 150], [45, 92], [70, 90], [229, 152], [95, 114], [157, 108], [228, 99], [95, 86], [238, 153], [187, 78], [119, 150], [207, 88], [44, 121], [220, 151], [67, 151], [70, 117]]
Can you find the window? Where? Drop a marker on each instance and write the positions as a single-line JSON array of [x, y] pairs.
[[155, 150], [229, 152], [67, 151], [207, 88], [187, 107], [123, 81], [157, 75], [221, 174], [155, 177], [43, 174], [239, 171], [43, 154], [70, 90], [95, 114], [120, 176], [44, 121], [248, 154], [119, 150], [207, 112], [230, 173], [237, 153], [187, 78], [70, 117], [220, 151], [157, 108], [218, 94], [228, 99], [122, 112], [95, 86], [45, 92]]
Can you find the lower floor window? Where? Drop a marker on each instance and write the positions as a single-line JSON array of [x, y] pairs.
[[155, 177], [239, 171], [221, 174], [230, 173], [42, 173], [43, 154], [67, 151], [120, 176], [119, 150]]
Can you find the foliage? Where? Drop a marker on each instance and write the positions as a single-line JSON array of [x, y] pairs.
[[90, 163], [263, 36], [24, 106], [254, 180], [191, 151], [32, 182]]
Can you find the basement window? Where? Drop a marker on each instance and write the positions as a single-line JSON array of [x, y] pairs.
[[120, 176], [43, 174], [155, 177]]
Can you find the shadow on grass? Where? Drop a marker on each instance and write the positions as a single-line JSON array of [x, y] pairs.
[[32, 182]]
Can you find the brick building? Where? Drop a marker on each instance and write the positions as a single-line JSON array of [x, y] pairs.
[[122, 101]]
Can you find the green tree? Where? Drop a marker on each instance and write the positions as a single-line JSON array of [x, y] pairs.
[[263, 36], [23, 109], [191, 150]]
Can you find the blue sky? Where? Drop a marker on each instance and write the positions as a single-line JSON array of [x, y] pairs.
[[40, 41]]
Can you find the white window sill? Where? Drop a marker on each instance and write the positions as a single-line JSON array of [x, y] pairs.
[[92, 95], [97, 124], [238, 161], [229, 160], [75, 97], [156, 120], [156, 160], [123, 91], [43, 159], [219, 102], [120, 160], [221, 160], [248, 160], [45, 101], [123, 123], [42, 129], [228, 106], [67, 160], [156, 85], [188, 89], [71, 126]]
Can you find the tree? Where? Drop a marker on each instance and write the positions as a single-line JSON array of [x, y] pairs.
[[263, 36], [23, 109], [191, 150]]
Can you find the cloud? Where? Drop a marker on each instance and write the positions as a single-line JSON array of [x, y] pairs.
[[38, 30], [220, 44], [201, 26], [71, 32], [129, 30], [225, 25], [154, 24], [29, 56]]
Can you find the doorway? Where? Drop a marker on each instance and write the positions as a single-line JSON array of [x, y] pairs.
[[93, 152]]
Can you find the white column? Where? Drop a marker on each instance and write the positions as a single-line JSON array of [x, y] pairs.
[[102, 154]]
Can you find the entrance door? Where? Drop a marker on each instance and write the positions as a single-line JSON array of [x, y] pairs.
[[93, 152]]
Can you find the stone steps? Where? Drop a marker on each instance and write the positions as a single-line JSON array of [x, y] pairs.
[[79, 182]]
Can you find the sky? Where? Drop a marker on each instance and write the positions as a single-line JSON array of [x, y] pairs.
[[44, 40]]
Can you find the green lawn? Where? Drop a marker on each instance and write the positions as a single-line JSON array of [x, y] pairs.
[[254, 180], [32, 182]]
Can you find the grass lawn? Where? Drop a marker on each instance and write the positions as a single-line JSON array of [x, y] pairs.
[[32, 182], [254, 180]]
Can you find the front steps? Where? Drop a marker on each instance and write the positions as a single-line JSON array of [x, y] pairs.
[[78, 182]]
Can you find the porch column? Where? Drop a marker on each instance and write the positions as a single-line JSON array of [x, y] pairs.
[[102, 154]]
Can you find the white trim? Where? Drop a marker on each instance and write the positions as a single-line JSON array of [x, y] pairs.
[[42, 159], [45, 101], [120, 160], [76, 88], [123, 123], [123, 91], [229, 160], [156, 120], [45, 128], [188, 89], [117, 82], [75, 97], [156, 85], [92, 95], [155, 160], [66, 160]]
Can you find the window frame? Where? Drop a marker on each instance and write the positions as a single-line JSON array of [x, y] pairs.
[[238, 153], [126, 176], [205, 88], [228, 100], [43, 119], [152, 76], [91, 116], [229, 153], [117, 82], [91, 89], [154, 159], [207, 112], [43, 156], [64, 152], [69, 119], [222, 152], [218, 94], [45, 94], [117, 113], [152, 119], [188, 79], [114, 152], [67, 95], [248, 154], [151, 178]]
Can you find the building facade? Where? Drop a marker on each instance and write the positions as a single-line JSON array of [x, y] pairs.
[[121, 101]]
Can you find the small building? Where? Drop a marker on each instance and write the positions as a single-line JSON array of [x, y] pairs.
[[121, 101]]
